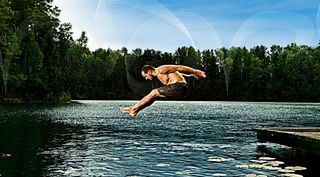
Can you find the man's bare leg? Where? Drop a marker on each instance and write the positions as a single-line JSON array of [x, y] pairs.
[[144, 102]]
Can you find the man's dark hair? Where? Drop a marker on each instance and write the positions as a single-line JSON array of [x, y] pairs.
[[147, 68]]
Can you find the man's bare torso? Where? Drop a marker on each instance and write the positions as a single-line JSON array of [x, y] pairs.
[[171, 78]]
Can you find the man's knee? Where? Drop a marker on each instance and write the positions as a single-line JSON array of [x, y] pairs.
[[155, 93]]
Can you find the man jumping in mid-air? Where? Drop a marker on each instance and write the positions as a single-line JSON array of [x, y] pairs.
[[170, 76]]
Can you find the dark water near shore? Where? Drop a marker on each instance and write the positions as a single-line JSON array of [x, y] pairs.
[[93, 138]]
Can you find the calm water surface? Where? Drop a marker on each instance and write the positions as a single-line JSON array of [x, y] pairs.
[[93, 138]]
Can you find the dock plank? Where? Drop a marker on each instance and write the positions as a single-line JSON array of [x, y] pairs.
[[307, 138]]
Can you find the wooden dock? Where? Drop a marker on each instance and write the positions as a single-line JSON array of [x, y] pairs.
[[304, 138]]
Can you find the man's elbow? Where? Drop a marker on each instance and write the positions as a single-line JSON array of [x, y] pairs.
[[180, 68]]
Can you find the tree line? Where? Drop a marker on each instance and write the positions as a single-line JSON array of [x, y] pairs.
[[40, 61]]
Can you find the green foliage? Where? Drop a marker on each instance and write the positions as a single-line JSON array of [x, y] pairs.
[[40, 61], [64, 97]]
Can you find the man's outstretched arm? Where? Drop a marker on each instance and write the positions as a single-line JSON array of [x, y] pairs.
[[181, 68]]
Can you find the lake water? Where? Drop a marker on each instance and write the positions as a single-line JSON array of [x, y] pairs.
[[93, 138]]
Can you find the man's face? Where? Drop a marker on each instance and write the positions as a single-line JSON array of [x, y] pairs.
[[147, 76]]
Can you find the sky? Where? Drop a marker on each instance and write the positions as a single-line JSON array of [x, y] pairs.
[[204, 24]]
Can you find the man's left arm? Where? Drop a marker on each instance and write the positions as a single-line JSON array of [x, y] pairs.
[[190, 70]]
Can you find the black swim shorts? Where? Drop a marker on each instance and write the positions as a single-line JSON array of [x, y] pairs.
[[174, 90]]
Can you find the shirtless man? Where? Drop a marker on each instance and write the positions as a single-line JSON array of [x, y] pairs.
[[174, 84]]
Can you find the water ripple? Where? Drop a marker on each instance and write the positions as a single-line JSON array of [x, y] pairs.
[[94, 138]]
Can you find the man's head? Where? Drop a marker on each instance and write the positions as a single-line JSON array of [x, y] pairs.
[[146, 72]]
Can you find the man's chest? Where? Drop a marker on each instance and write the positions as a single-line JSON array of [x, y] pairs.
[[163, 78]]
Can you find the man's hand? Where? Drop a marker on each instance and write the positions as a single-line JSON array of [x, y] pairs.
[[200, 73]]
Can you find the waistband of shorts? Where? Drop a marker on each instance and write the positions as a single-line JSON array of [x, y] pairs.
[[181, 83]]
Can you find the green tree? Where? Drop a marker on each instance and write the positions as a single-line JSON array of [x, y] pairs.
[[7, 42]]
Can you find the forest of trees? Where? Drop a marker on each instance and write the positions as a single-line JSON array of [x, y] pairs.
[[40, 61]]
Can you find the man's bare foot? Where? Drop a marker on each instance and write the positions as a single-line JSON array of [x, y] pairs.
[[129, 111]]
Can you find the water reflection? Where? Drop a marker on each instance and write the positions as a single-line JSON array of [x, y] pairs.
[[292, 157], [24, 135]]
